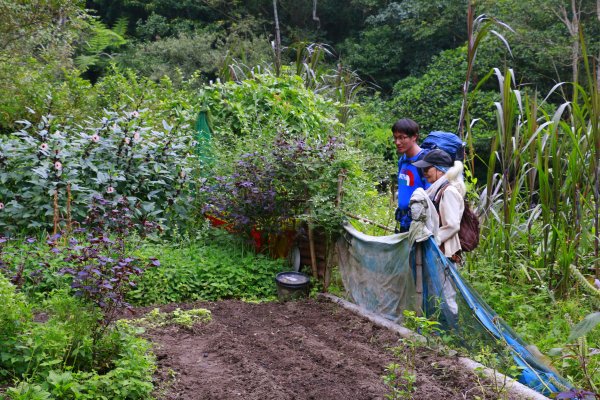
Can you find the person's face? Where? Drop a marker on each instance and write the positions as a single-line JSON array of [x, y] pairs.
[[432, 174], [404, 142]]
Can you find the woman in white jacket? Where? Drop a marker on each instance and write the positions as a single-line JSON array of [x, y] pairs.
[[447, 192]]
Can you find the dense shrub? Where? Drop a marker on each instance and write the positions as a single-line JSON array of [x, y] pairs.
[[51, 170], [279, 151]]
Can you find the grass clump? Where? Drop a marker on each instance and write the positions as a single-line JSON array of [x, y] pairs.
[[179, 317]]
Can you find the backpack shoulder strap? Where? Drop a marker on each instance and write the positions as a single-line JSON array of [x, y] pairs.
[[438, 195], [420, 156]]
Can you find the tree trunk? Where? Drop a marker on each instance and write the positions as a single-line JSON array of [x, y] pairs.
[[277, 46], [316, 18], [572, 24]]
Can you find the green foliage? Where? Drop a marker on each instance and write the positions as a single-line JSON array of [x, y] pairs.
[[541, 44], [402, 37], [31, 267], [54, 359], [369, 128], [585, 326], [264, 106], [401, 382], [532, 310], [434, 100], [204, 52], [37, 40], [206, 272], [401, 376], [99, 42], [45, 29], [35, 85], [16, 313]]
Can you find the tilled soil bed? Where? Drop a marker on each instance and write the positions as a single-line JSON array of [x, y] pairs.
[[309, 349]]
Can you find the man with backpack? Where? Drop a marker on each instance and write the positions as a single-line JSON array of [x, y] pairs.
[[406, 134]]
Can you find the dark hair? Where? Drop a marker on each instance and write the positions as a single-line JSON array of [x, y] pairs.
[[407, 126]]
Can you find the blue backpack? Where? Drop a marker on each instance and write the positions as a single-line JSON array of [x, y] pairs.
[[449, 142]]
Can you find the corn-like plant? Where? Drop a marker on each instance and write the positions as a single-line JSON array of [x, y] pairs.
[[542, 184]]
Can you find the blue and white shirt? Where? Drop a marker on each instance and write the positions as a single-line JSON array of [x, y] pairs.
[[409, 179]]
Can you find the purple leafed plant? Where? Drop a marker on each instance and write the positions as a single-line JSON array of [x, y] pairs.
[[101, 270], [267, 190], [578, 394]]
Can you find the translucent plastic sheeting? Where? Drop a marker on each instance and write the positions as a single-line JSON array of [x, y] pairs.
[[379, 272], [376, 272]]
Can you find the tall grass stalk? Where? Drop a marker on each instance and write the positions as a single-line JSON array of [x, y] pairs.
[[477, 30]]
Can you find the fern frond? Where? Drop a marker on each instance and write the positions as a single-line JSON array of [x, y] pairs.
[[120, 27]]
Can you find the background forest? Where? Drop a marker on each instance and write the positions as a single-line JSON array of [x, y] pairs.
[[142, 116]]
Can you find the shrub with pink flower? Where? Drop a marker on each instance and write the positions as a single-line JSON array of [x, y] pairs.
[[100, 154]]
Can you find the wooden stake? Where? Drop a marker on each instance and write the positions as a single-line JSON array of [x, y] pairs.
[[340, 189], [419, 283], [69, 198], [313, 255], [56, 214]]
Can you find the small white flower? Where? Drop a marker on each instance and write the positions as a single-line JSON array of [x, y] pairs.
[[1, 206], [58, 165], [95, 138], [110, 189], [182, 174], [44, 146], [135, 114], [136, 136], [127, 140]]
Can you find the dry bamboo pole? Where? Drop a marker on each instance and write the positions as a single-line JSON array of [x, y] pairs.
[[361, 219]]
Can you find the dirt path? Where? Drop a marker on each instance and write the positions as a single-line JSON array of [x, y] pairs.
[[297, 350]]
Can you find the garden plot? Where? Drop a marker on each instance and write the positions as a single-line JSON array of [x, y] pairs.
[[296, 350]]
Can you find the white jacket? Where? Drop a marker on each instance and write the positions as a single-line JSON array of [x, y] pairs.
[[451, 208]]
